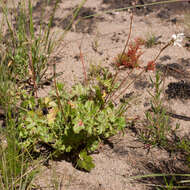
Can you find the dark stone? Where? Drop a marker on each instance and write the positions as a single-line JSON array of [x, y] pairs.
[[175, 70], [139, 84], [174, 20], [163, 14], [165, 58], [179, 90], [146, 104], [185, 62]]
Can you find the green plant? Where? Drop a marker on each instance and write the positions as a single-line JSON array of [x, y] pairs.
[[27, 49], [184, 146], [16, 172], [150, 41], [74, 122], [56, 180], [101, 76], [7, 89], [96, 43], [187, 20], [158, 126], [171, 181]]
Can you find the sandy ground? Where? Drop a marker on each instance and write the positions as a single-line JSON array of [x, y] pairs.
[[127, 156]]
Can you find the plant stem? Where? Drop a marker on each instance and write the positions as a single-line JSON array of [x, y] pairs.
[[130, 84], [123, 52], [83, 65], [127, 42], [57, 92], [31, 65], [120, 84], [167, 45]]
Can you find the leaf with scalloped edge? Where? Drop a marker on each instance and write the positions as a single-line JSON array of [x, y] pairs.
[[85, 161]]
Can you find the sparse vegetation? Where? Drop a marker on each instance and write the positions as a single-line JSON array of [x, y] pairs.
[[71, 122], [158, 126], [151, 40], [26, 51]]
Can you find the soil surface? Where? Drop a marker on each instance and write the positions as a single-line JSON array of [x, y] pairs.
[[102, 37]]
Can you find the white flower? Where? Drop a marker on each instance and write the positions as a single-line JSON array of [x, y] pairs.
[[177, 39]]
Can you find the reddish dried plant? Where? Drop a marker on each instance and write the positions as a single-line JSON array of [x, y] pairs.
[[150, 66], [130, 59]]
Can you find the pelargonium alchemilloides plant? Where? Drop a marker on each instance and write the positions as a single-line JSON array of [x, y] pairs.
[[72, 122]]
